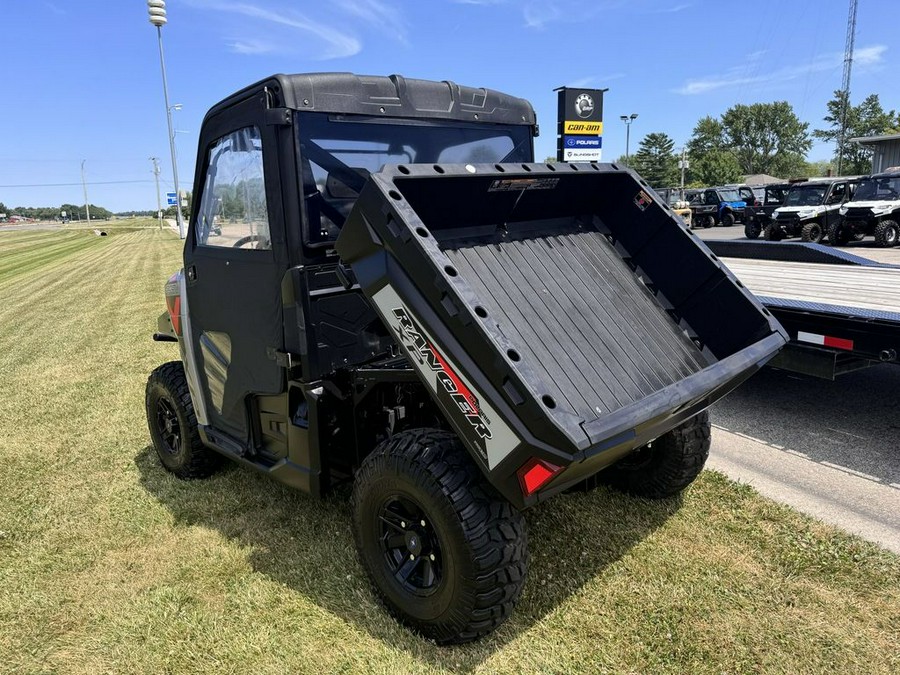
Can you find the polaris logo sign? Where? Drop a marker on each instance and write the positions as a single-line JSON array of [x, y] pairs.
[[582, 142]]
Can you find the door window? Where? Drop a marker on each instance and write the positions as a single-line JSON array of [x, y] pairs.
[[838, 193], [233, 210]]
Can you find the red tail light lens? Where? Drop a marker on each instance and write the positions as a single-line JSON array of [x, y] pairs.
[[535, 474]]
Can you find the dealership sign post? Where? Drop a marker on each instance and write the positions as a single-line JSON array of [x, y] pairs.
[[579, 134]]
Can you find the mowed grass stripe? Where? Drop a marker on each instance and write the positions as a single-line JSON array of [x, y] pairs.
[[108, 564], [42, 254]]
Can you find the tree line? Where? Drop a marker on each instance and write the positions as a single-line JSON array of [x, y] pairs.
[[763, 138], [72, 211]]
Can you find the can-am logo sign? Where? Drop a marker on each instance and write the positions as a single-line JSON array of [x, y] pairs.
[[584, 105]]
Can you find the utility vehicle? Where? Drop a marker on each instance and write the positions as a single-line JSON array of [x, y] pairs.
[[810, 209], [874, 211], [715, 206], [767, 199], [402, 299]]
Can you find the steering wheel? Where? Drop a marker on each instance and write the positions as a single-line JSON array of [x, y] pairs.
[[257, 241]]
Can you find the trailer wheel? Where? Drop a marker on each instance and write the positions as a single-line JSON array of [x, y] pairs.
[[812, 232], [753, 229], [173, 425], [666, 466], [838, 235], [887, 233], [446, 554], [773, 232], [727, 219]]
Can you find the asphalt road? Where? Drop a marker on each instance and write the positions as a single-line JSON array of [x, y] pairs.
[[829, 449]]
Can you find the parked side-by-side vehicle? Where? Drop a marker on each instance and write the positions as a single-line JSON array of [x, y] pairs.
[[399, 298], [717, 206], [873, 211], [810, 209]]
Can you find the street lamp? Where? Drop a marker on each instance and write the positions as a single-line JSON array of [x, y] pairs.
[[157, 11], [628, 119]]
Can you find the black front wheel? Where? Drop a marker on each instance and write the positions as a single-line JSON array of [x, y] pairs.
[[666, 466], [753, 229], [173, 425], [773, 232], [727, 219], [446, 554], [887, 233], [839, 234], [812, 232]]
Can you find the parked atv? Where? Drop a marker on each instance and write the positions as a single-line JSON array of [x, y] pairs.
[[810, 209], [758, 216], [714, 206], [408, 302], [874, 211]]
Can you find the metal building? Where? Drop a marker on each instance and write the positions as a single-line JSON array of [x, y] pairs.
[[886, 150]]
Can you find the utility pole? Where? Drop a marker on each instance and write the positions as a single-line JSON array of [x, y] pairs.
[[683, 164], [155, 161], [845, 84], [87, 204], [157, 11]]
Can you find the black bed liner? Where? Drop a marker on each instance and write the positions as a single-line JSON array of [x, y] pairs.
[[581, 315]]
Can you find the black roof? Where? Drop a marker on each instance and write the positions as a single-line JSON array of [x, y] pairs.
[[392, 96]]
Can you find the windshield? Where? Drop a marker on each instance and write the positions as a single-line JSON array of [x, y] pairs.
[[806, 195], [338, 152], [730, 196], [875, 189]]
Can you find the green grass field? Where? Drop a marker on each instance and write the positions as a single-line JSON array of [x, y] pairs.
[[108, 564]]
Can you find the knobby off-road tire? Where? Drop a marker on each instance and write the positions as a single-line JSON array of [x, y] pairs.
[[173, 425], [727, 219], [838, 235], [457, 576], [666, 466], [773, 232], [887, 233], [812, 232], [753, 229], [707, 221]]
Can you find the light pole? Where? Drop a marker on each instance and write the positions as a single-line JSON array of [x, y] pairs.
[[628, 119], [157, 10], [155, 161], [87, 204]]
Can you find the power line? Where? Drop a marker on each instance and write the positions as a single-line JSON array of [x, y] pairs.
[[101, 182]]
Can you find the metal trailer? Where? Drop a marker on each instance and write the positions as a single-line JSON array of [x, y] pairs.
[[842, 311]]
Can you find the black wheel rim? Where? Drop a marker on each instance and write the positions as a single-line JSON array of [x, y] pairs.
[[168, 427], [815, 233], [410, 546]]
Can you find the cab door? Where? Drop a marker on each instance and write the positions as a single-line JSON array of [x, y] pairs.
[[234, 263], [837, 196]]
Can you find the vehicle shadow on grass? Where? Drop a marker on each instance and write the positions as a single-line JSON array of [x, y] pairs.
[[851, 422], [307, 545]]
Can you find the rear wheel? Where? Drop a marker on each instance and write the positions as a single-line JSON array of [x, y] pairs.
[[838, 234], [727, 219], [666, 466], [753, 229], [446, 554], [812, 232], [173, 425], [887, 233], [773, 232], [707, 221]]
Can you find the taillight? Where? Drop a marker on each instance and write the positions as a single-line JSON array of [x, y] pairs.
[[535, 474]]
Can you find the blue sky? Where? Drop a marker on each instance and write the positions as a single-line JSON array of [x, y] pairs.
[[81, 80]]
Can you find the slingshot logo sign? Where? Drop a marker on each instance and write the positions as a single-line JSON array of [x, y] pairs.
[[427, 356], [584, 106]]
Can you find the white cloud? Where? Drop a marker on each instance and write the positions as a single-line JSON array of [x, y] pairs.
[[673, 9], [592, 80], [374, 12], [539, 13], [740, 75], [335, 43]]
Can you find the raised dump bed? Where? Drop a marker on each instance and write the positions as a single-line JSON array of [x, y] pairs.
[[576, 317]]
